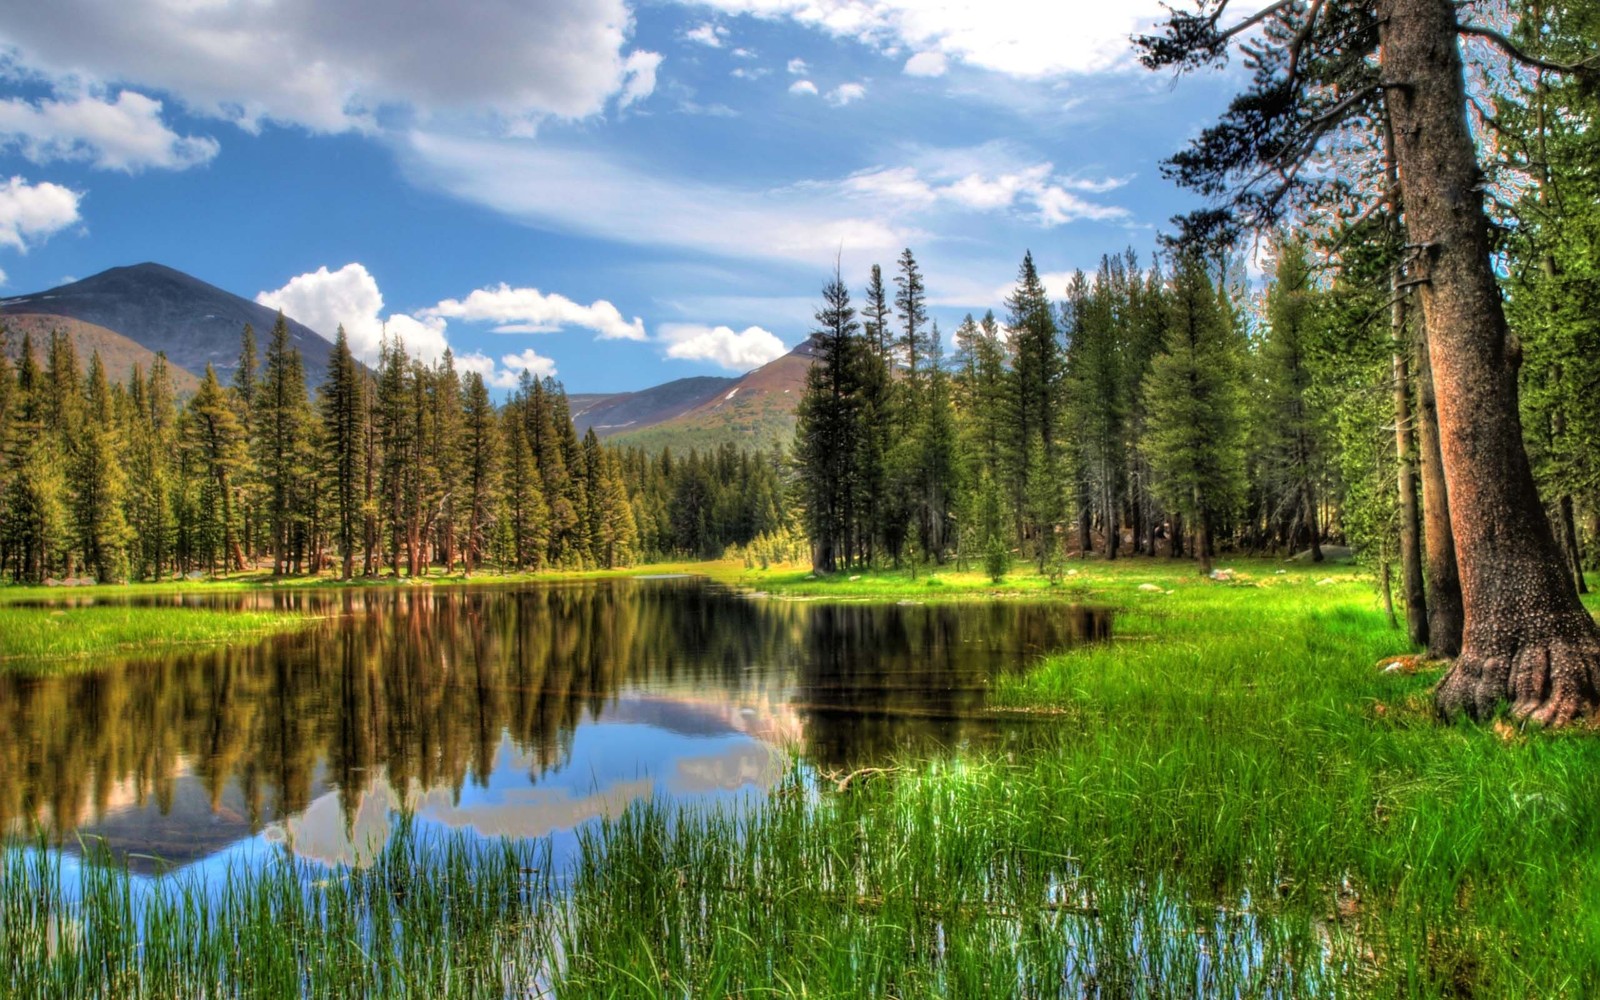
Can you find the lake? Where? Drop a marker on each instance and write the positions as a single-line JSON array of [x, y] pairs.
[[521, 712]]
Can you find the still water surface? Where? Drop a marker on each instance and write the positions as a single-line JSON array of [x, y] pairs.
[[521, 712]]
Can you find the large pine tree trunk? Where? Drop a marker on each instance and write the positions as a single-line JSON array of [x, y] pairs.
[[1527, 639], [1445, 617]]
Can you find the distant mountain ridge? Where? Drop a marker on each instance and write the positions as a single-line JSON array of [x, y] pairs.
[[129, 314], [163, 310], [755, 410]]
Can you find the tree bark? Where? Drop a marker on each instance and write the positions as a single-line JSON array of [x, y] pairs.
[[1569, 541], [1527, 639], [1413, 587], [1411, 579], [1445, 617]]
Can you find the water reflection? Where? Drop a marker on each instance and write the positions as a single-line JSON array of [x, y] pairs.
[[520, 712]]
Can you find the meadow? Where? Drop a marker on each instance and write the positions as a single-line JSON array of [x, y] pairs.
[[1244, 793]]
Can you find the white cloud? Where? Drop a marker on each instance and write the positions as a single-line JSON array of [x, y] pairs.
[[899, 184], [340, 63], [735, 351], [31, 213], [3, 279], [743, 53], [798, 67], [1052, 200], [324, 300], [527, 310], [529, 360], [709, 35], [587, 193], [1016, 37], [124, 134], [927, 64], [640, 77], [846, 93], [508, 373], [748, 72], [803, 87]]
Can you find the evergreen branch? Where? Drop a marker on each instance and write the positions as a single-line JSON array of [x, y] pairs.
[[1583, 67]]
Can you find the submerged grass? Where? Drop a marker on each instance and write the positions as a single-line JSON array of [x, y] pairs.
[[1232, 798]]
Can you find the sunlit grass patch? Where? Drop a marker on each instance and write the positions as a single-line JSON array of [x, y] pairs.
[[47, 639]]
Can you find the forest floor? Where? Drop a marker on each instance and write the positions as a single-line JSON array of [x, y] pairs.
[[1245, 792]]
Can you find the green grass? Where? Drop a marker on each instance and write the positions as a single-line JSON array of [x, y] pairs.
[[51, 639], [1229, 799], [234, 583]]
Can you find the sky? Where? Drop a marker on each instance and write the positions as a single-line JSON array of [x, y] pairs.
[[617, 193]]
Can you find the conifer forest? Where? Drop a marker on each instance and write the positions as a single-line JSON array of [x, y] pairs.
[[1210, 614]]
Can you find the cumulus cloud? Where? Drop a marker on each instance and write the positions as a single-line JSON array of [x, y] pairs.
[[709, 35], [736, 351], [846, 93], [566, 58], [803, 87], [124, 134], [927, 64], [32, 213], [527, 310], [324, 300], [508, 373], [639, 78], [798, 67], [529, 360], [1020, 38]]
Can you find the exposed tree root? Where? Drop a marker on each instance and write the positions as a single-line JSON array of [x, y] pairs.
[[1551, 682]]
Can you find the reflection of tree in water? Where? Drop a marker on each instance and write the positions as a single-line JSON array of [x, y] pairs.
[[876, 679], [423, 685]]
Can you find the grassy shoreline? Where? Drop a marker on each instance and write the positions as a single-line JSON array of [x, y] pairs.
[[1233, 797]]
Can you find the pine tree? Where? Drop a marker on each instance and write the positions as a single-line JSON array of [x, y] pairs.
[[216, 441], [528, 519], [343, 415], [1294, 428], [481, 458], [282, 421], [100, 483], [1033, 412], [828, 431], [1195, 439]]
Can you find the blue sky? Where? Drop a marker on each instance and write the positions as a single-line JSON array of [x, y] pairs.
[[622, 193]]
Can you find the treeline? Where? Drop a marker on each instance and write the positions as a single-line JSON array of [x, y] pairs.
[[1164, 410], [397, 469]]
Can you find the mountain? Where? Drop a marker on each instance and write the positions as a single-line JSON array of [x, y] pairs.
[[616, 413], [162, 310], [755, 410], [117, 353]]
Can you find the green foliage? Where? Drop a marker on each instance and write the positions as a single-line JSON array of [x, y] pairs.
[[1194, 394]]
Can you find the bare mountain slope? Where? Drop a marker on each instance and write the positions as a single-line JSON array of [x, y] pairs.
[[162, 309]]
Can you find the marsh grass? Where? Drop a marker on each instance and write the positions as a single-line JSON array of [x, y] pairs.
[[1230, 799], [45, 639]]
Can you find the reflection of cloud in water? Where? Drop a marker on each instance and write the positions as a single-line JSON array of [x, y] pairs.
[[736, 767], [321, 833]]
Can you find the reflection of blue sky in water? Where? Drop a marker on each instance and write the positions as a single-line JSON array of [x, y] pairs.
[[611, 765], [520, 713], [640, 747]]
